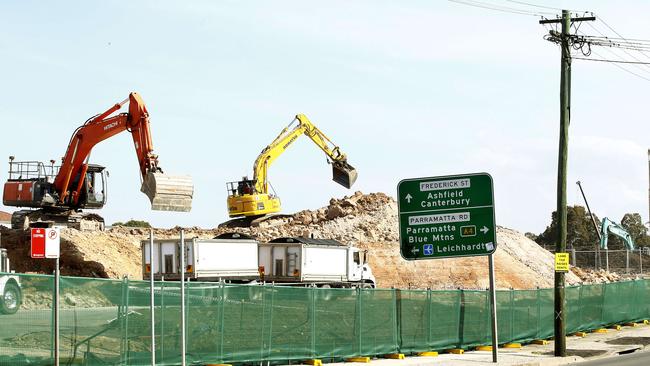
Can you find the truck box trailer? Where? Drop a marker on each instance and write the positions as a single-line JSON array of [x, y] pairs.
[[205, 259], [238, 258], [317, 261]]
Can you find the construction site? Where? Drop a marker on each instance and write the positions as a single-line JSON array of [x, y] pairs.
[[423, 234]]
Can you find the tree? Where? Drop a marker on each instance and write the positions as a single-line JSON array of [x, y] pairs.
[[633, 224], [580, 230], [133, 223]]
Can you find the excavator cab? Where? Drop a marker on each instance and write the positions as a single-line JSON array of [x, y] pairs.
[[93, 193], [344, 174]]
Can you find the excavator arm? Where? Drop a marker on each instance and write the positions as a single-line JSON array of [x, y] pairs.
[[343, 173], [610, 226], [167, 193]]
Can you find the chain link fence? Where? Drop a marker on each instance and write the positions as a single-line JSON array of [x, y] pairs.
[[635, 261]]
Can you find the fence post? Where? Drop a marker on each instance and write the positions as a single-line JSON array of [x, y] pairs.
[[397, 314], [182, 272], [573, 256], [221, 321], [162, 316], [640, 261], [153, 301], [627, 261], [429, 308], [312, 318], [539, 313], [358, 291]]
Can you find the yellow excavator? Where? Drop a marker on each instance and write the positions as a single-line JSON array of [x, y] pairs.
[[251, 198]]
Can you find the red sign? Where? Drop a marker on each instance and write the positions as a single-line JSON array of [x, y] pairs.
[[38, 243], [45, 243]]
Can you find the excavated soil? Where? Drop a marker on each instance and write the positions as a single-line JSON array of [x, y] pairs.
[[368, 221]]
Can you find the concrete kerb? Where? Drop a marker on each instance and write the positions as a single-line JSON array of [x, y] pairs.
[[593, 346]]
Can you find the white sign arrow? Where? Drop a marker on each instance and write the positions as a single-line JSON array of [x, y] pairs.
[[484, 230], [408, 197], [415, 250]]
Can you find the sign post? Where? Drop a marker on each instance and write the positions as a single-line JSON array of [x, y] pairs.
[[449, 217], [46, 243]]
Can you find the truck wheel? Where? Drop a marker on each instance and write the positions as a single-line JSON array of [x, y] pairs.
[[10, 300]]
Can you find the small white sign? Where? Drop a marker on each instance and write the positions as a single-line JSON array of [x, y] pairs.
[[52, 243]]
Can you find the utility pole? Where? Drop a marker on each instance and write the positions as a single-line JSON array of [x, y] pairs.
[[564, 39]]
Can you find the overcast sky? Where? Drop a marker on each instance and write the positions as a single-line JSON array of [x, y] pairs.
[[405, 88]]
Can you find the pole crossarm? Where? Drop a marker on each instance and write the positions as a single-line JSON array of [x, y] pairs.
[[573, 20]]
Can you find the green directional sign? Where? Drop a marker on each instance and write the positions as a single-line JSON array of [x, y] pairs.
[[450, 216]]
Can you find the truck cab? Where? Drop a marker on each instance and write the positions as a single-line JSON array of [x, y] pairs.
[[10, 290], [359, 270]]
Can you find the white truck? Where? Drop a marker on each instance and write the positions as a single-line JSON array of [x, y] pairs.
[[10, 290], [238, 258]]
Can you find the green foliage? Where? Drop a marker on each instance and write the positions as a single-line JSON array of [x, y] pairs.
[[581, 234], [633, 224], [133, 223]]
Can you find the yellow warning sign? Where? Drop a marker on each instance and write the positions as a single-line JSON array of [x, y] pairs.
[[561, 262]]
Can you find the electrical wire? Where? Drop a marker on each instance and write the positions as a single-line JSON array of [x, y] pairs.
[[531, 4], [496, 7], [614, 61], [623, 68]]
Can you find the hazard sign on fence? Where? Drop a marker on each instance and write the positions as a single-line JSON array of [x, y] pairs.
[[46, 243]]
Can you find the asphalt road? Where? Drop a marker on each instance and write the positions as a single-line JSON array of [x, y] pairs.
[[632, 359]]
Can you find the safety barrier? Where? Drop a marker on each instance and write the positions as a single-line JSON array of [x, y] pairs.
[[107, 322]]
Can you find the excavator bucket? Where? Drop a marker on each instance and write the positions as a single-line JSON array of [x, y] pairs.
[[168, 192], [344, 174]]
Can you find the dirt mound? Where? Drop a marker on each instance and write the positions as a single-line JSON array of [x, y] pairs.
[[5, 216], [368, 221]]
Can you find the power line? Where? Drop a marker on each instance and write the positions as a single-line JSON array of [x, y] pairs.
[[541, 6], [535, 5], [495, 7], [624, 69], [614, 61]]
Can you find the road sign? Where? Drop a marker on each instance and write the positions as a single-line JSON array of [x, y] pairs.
[[45, 243], [450, 216], [561, 262]]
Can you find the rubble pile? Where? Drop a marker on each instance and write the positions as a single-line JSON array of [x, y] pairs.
[[368, 221]]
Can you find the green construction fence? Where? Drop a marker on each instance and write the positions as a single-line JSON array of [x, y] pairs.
[[107, 322]]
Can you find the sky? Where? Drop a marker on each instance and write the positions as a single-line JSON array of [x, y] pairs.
[[406, 89]]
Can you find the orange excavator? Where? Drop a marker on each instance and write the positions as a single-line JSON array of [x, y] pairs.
[[58, 193]]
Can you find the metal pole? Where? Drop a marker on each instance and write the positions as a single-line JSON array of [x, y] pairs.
[[182, 298], [565, 97], [627, 261], [57, 324], [640, 261], [593, 220], [152, 310], [493, 310], [607, 259]]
